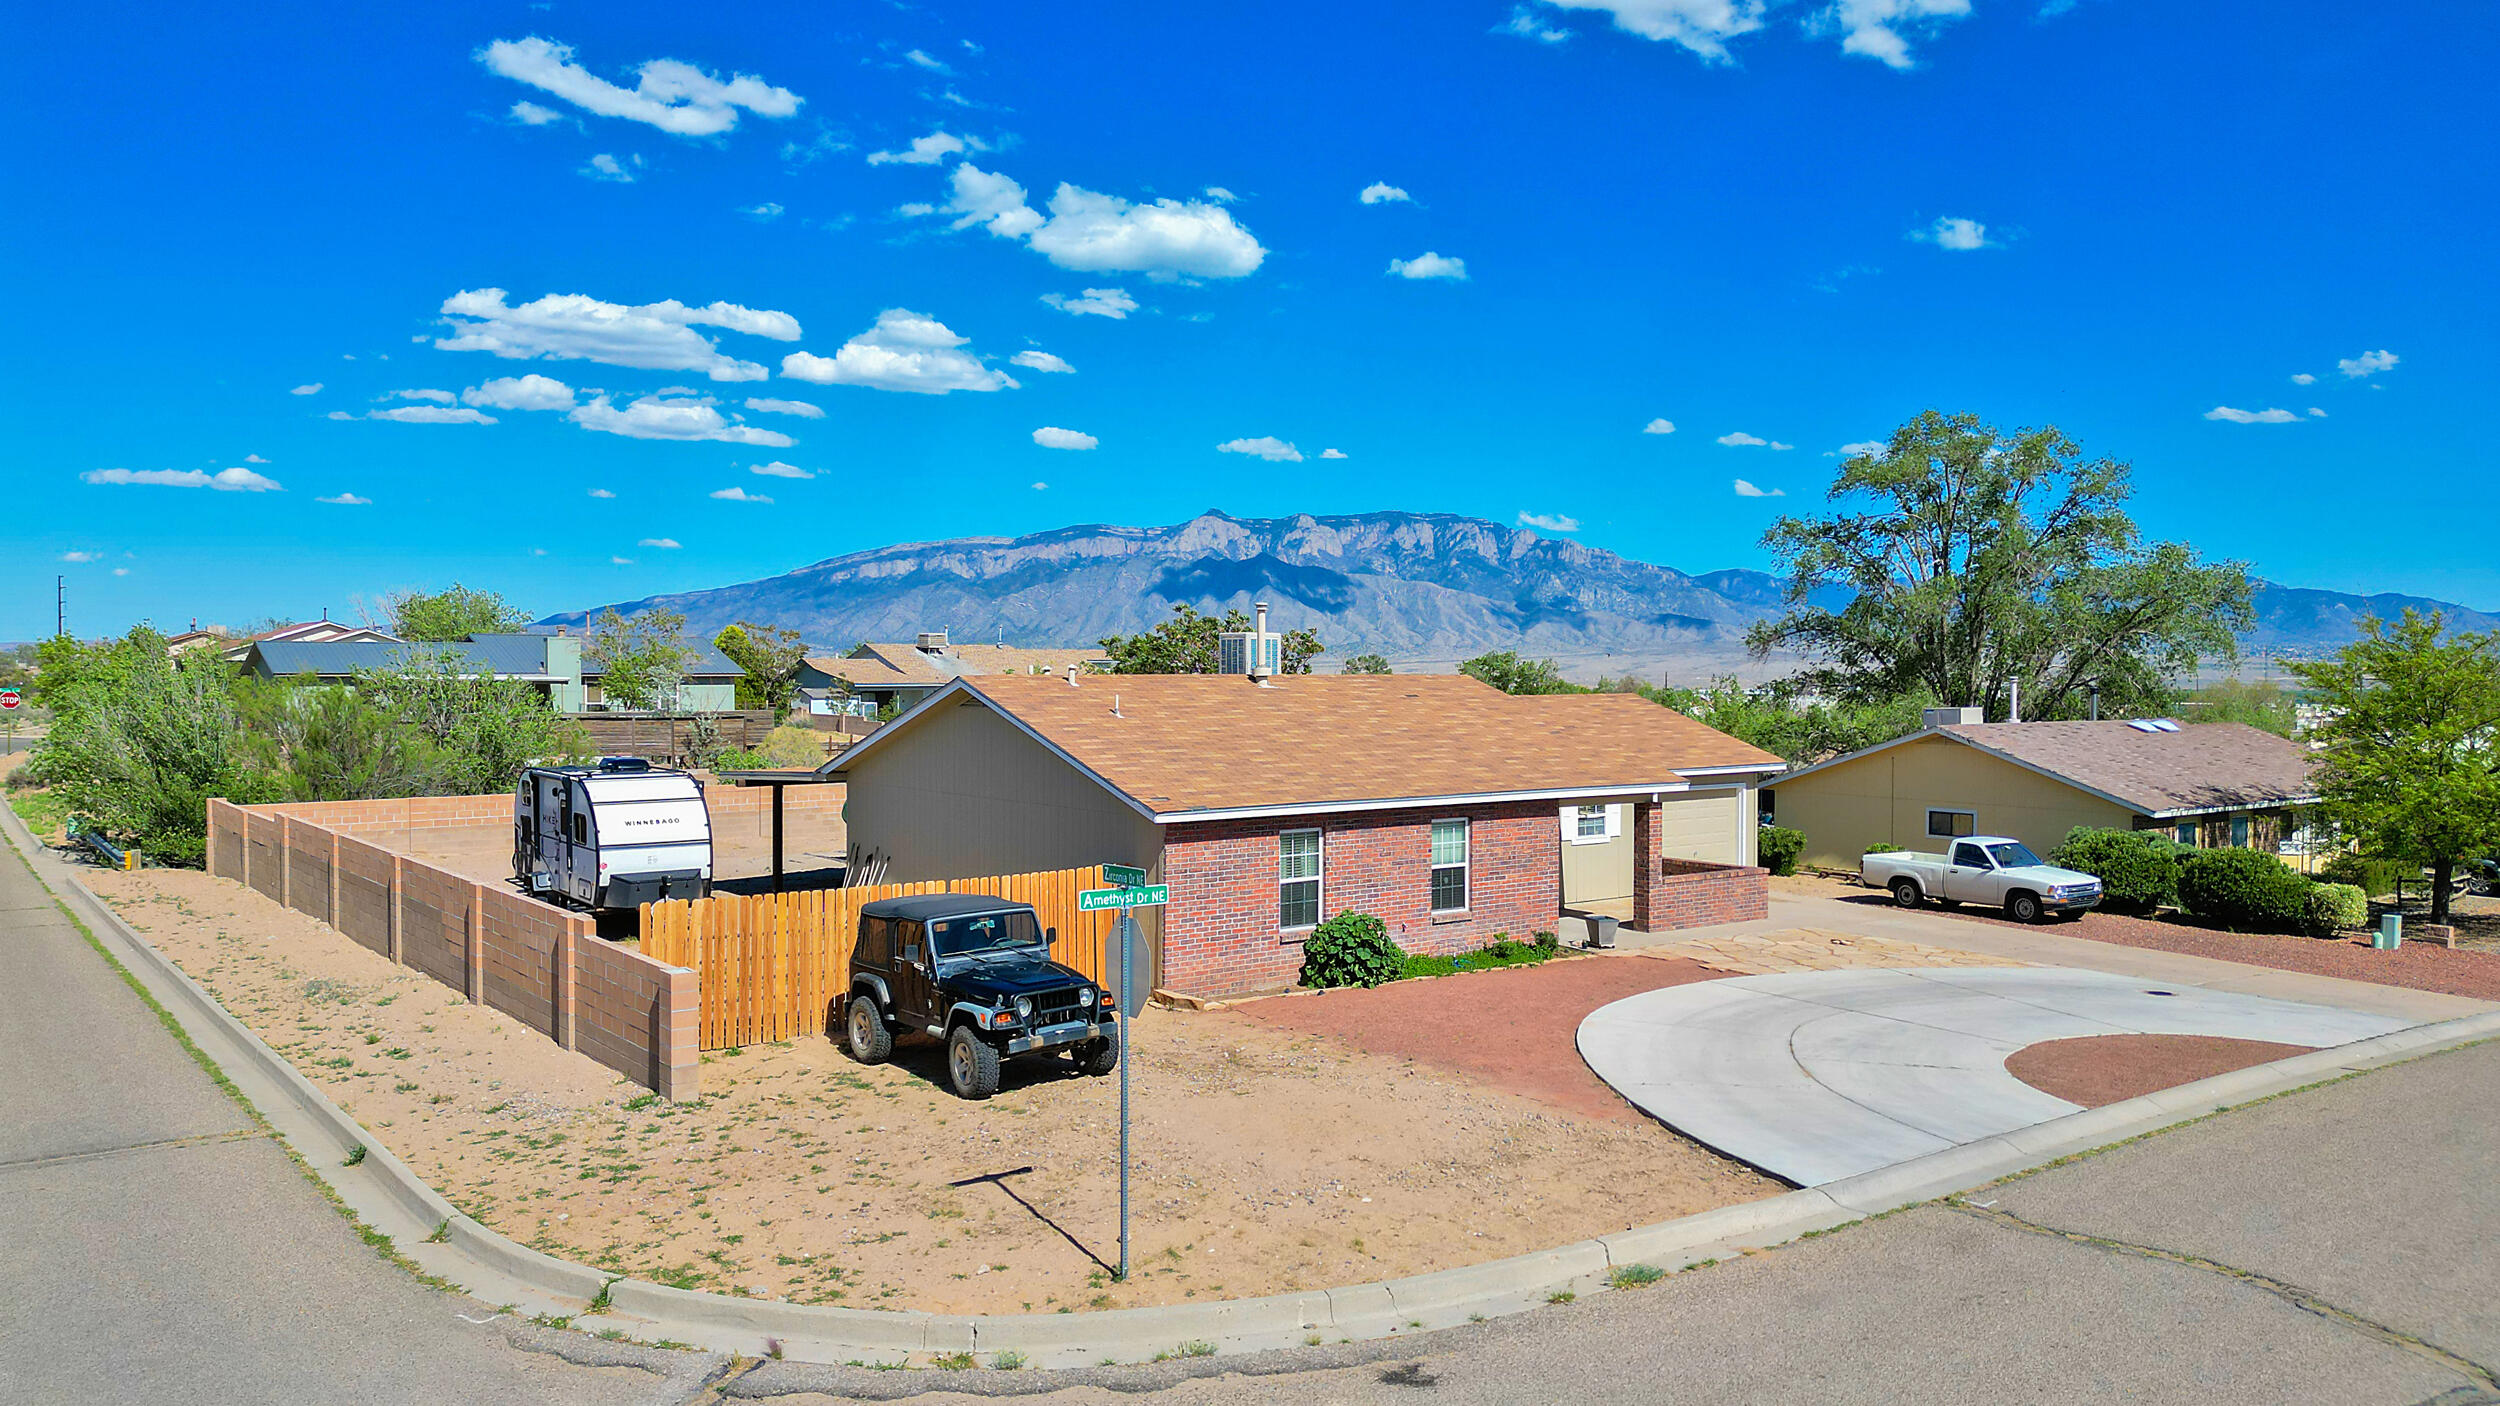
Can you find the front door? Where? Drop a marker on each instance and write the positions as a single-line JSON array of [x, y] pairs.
[[912, 988]]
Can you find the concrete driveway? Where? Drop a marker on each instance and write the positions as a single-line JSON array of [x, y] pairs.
[[1815, 1076]]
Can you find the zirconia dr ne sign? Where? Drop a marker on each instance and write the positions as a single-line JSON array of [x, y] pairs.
[[1127, 876], [1095, 900]]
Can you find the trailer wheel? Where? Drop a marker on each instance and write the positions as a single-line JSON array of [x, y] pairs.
[[971, 1065], [1905, 893], [864, 1032]]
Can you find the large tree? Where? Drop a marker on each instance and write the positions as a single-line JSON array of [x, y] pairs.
[[481, 729], [451, 614], [2410, 752], [1512, 672], [642, 660], [1976, 561], [770, 655], [1188, 644]]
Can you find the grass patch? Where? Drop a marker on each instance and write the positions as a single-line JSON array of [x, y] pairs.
[[1503, 951], [1634, 1276]]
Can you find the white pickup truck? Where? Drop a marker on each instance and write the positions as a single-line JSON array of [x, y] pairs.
[[1989, 869]]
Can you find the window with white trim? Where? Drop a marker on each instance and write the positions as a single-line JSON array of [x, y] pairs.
[[1297, 879], [1449, 866], [1588, 823]]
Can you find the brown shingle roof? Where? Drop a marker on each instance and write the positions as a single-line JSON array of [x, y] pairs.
[[907, 666], [2202, 766], [1203, 742]]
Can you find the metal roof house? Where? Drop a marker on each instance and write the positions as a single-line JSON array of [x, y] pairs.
[[554, 662], [2208, 784]]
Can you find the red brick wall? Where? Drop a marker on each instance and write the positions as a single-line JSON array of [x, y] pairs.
[[1220, 935], [638, 1018], [1688, 893]]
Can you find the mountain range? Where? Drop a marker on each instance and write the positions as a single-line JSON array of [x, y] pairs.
[[1425, 589]]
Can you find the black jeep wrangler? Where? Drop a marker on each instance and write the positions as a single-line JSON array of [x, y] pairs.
[[975, 972]]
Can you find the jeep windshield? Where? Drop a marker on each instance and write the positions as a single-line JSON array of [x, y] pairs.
[[2013, 854], [1015, 931]]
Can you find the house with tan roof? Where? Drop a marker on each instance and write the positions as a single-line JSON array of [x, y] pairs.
[[906, 673], [1444, 807], [2206, 784]]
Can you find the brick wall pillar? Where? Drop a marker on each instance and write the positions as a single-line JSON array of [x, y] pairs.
[[286, 861], [477, 943], [677, 1038], [399, 894], [333, 918], [567, 976], [1646, 838], [210, 862]]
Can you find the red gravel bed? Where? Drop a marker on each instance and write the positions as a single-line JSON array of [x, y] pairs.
[[1511, 1027], [2093, 1070], [2419, 966]]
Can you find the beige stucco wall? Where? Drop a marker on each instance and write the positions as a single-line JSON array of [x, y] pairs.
[[1597, 871], [1712, 825], [1886, 797], [964, 793]]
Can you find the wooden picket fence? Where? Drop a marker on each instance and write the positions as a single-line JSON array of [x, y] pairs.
[[775, 966]]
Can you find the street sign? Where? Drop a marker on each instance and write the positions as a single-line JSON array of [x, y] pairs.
[[11, 698], [1124, 875], [1096, 900]]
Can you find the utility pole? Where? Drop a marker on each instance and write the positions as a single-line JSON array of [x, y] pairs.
[[60, 605]]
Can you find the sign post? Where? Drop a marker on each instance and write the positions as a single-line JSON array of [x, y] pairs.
[[11, 701], [1133, 893]]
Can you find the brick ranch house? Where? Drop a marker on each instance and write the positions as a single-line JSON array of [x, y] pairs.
[[1440, 805]]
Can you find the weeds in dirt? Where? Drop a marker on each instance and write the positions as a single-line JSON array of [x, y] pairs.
[[1634, 1276]]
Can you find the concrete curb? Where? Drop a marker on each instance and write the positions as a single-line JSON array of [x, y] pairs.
[[390, 1198]]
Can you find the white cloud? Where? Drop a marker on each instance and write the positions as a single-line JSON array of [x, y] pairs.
[[1747, 490], [1661, 425], [670, 95], [601, 493], [432, 415], [1875, 29], [668, 544], [1220, 195], [621, 561], [1738, 439], [924, 61], [1038, 487], [2251, 417], [1096, 233], [604, 167], [992, 201], [671, 417], [1053, 437], [2303, 378], [778, 469], [81, 558], [2316, 414], [1524, 23], [254, 459], [1095, 302], [1382, 193], [346, 500], [2368, 363], [1955, 233], [1429, 265], [1776, 446], [923, 151], [738, 495], [121, 571], [765, 213], [915, 209], [438, 397], [236, 480], [1334, 454], [649, 337], [799, 408], [338, 415], [1863, 446], [531, 392], [1267, 447], [1554, 522], [309, 388], [1042, 361], [905, 351]]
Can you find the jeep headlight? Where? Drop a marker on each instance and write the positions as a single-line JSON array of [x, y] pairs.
[[1024, 1008], [1084, 996]]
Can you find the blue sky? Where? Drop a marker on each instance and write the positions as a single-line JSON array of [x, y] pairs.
[[239, 239]]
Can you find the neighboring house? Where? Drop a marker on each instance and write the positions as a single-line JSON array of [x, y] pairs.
[[2208, 784], [903, 674], [1433, 802], [309, 632], [553, 662]]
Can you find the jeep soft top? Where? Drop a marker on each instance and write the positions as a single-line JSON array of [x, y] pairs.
[[976, 972]]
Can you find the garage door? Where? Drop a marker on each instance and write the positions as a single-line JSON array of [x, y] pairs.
[[1703, 825]]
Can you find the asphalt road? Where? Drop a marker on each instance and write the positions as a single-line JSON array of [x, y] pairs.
[[2330, 1246]]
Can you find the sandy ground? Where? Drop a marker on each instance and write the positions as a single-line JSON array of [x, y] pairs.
[[2094, 1070], [1266, 1159]]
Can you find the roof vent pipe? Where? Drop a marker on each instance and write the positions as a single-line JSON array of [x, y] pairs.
[[2014, 704], [1071, 676]]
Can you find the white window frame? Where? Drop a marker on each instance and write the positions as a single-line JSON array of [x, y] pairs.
[[1613, 827], [1318, 880], [1466, 866], [1934, 811]]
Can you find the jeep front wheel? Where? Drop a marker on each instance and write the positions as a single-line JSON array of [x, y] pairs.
[[864, 1031], [971, 1064], [1101, 1056]]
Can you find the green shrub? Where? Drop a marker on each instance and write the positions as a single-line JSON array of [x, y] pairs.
[[1882, 847], [1780, 848], [1350, 949], [1546, 942], [2138, 869], [2335, 908], [2243, 890], [2372, 876]]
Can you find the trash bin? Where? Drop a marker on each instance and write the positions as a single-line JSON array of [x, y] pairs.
[[2390, 934], [1601, 930]]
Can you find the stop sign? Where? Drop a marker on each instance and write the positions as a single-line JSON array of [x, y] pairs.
[[11, 698]]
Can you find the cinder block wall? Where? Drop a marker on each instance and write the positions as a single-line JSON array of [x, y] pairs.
[[1220, 934], [542, 965]]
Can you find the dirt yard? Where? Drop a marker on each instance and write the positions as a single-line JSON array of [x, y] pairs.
[[1267, 1158], [2094, 1070]]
